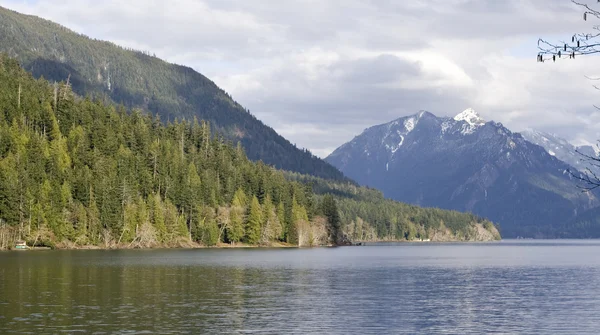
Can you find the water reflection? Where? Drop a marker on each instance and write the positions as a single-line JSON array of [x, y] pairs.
[[457, 288]]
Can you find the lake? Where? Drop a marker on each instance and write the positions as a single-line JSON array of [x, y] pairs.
[[501, 287]]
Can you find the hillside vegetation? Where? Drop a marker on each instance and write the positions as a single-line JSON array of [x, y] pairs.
[[136, 79], [367, 216], [76, 172]]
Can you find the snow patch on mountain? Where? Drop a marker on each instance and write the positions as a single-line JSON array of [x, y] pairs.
[[446, 125], [393, 149], [472, 121], [471, 117], [410, 124], [562, 149]]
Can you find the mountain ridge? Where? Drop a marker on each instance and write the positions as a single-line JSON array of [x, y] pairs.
[[139, 80], [576, 156], [468, 166]]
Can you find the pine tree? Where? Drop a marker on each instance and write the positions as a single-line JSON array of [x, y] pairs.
[[298, 214], [93, 216], [8, 188], [191, 194], [80, 222], [253, 222], [281, 221], [270, 225], [330, 210], [130, 220], [236, 231], [65, 228], [209, 230], [157, 217]]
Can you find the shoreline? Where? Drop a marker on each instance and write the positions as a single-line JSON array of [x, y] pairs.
[[191, 245]]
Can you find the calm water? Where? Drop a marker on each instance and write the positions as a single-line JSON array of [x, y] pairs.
[[506, 287]]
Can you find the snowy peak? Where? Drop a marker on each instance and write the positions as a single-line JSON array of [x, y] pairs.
[[471, 120], [470, 116], [466, 164]]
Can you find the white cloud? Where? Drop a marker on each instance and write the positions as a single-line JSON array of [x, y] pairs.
[[319, 72]]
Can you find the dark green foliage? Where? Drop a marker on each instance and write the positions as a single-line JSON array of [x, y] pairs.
[[253, 222], [208, 229], [235, 229], [331, 213], [365, 214], [78, 171], [74, 169], [137, 80]]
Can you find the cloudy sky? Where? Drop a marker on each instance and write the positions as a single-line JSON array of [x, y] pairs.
[[321, 71]]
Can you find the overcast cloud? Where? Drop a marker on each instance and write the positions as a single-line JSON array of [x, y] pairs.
[[319, 72]]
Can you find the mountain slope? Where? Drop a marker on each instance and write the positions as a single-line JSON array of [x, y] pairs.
[[135, 79], [563, 150], [75, 172], [585, 225], [466, 164]]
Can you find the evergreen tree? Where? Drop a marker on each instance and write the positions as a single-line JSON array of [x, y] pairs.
[[236, 231], [253, 222], [298, 213], [331, 213], [270, 227], [281, 221], [207, 228], [157, 217]]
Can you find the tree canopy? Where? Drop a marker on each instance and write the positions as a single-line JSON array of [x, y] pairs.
[[136, 79]]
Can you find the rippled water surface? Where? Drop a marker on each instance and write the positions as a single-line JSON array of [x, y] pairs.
[[506, 287]]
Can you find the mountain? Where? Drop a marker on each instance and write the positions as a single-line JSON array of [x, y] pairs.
[[563, 150], [585, 225], [136, 79], [74, 171], [467, 164]]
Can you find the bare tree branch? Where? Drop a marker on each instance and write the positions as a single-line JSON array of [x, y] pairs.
[[580, 44], [588, 177]]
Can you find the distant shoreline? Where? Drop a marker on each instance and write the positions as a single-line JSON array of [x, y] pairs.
[[274, 245]]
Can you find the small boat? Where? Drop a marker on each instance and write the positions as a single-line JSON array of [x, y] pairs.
[[21, 245]]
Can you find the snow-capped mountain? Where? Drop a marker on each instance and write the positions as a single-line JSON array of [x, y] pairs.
[[563, 150], [467, 164], [471, 117]]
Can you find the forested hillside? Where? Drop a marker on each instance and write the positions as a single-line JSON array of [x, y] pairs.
[[136, 79], [585, 225], [74, 171], [367, 216]]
